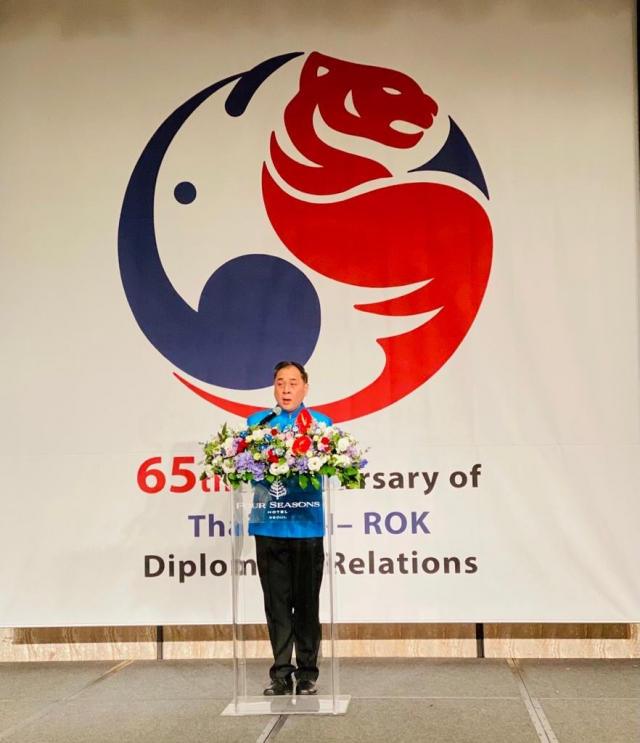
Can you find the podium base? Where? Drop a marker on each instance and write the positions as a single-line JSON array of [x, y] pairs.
[[288, 705]]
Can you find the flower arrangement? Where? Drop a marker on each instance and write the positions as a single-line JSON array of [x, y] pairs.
[[305, 451]]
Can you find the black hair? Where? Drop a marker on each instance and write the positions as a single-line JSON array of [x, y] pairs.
[[284, 364]]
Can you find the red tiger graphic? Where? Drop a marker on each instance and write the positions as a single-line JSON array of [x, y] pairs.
[[393, 235]]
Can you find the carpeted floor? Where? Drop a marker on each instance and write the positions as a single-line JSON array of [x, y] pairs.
[[434, 700]]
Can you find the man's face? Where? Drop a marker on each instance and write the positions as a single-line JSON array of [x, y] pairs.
[[289, 388]]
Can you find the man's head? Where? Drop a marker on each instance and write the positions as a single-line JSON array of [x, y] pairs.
[[290, 384]]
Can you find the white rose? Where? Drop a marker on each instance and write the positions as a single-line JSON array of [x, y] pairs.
[[228, 443], [249, 439], [343, 444], [284, 468], [228, 466], [314, 464], [257, 435], [342, 460]]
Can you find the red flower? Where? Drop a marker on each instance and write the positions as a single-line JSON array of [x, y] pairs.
[[274, 431], [324, 440], [301, 445], [273, 458], [304, 420], [242, 445]]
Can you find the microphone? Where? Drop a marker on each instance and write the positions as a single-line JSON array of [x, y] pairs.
[[270, 415]]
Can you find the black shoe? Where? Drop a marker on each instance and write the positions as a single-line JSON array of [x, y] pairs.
[[278, 687], [306, 686]]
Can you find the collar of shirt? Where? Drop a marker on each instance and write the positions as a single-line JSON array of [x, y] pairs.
[[290, 416]]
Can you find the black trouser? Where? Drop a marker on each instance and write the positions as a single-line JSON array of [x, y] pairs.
[[291, 574]]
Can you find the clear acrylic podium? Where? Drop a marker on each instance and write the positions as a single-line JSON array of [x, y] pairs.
[[249, 679]]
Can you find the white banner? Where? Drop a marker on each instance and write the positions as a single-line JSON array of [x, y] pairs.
[[434, 211]]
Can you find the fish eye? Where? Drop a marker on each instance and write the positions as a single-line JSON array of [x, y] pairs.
[[185, 192], [392, 91]]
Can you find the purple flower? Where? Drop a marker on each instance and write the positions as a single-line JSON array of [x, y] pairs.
[[301, 464], [257, 470], [244, 461]]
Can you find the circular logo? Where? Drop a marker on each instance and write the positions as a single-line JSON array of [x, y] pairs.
[[338, 210]]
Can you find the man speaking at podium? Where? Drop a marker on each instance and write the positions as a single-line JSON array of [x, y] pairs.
[[290, 549]]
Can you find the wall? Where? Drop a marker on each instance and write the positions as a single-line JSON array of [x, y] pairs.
[[356, 640]]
